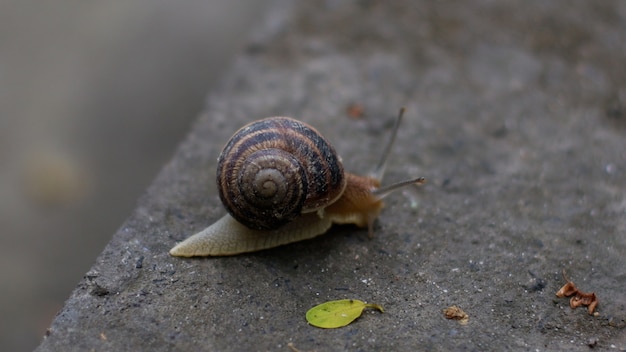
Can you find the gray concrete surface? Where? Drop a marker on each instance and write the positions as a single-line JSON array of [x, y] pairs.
[[515, 116]]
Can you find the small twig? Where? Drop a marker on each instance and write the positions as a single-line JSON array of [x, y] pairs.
[[293, 347]]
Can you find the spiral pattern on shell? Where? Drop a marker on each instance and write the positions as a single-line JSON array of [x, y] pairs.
[[274, 169]]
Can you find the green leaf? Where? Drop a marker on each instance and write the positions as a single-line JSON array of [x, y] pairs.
[[335, 314]]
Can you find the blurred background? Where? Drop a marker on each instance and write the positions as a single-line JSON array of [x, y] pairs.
[[94, 98]]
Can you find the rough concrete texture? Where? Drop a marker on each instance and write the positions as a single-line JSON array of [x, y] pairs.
[[515, 114]]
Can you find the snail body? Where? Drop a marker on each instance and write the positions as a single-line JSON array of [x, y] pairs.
[[281, 182]]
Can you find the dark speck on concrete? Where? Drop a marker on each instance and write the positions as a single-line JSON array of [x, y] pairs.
[[98, 290]]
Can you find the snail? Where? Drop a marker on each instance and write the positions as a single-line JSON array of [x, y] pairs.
[[282, 182]]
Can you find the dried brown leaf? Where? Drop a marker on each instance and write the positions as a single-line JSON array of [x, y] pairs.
[[579, 298], [456, 313]]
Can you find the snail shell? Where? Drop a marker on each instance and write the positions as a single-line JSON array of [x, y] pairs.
[[281, 182], [275, 169]]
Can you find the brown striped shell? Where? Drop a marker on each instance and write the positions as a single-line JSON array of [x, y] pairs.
[[273, 170]]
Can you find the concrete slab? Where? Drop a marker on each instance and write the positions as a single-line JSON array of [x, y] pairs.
[[515, 114]]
